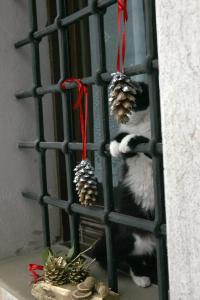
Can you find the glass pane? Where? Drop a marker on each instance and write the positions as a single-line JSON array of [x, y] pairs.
[[135, 54]]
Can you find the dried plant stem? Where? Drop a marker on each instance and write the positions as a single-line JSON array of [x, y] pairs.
[[80, 254]]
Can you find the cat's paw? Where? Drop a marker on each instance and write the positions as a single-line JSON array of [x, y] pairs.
[[130, 141], [141, 281], [114, 149], [124, 146]]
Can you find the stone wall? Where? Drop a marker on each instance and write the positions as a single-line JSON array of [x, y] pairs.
[[179, 61]]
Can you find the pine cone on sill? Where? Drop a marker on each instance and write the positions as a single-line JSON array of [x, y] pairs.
[[55, 270], [77, 271]]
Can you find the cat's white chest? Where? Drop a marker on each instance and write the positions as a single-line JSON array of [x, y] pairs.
[[139, 179], [144, 245]]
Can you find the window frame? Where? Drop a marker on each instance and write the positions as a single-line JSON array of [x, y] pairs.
[[101, 78]]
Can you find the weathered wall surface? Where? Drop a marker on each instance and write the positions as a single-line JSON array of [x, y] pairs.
[[179, 60], [20, 219]]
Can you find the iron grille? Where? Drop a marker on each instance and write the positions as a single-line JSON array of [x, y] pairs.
[[101, 78]]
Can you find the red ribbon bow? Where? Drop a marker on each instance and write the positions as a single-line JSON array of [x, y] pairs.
[[83, 111], [121, 10], [32, 268]]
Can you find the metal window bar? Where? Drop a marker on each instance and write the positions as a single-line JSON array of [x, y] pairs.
[[97, 8]]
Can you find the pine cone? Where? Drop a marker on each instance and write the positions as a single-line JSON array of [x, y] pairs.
[[122, 96], [77, 272], [55, 270], [86, 183]]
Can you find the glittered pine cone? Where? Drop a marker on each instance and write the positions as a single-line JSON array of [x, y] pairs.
[[55, 270], [77, 271], [86, 183], [122, 96]]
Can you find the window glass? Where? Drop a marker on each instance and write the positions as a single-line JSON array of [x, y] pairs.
[[135, 54]]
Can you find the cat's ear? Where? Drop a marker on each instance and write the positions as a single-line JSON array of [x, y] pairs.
[[142, 100]]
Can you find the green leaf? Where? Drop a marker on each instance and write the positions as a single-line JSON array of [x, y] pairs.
[[70, 254], [46, 254]]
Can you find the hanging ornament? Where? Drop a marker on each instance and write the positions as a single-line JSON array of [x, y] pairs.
[[85, 180], [86, 183], [123, 91]]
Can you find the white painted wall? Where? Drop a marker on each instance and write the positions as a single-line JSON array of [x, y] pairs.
[[178, 25], [20, 219]]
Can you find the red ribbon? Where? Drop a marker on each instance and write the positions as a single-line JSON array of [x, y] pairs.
[[83, 111], [121, 10], [32, 268]]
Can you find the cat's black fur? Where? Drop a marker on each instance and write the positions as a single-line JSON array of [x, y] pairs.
[[133, 246], [142, 265]]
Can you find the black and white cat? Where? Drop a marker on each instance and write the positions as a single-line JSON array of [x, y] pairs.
[[136, 247]]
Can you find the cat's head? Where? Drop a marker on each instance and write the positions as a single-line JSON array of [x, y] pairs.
[[141, 106]]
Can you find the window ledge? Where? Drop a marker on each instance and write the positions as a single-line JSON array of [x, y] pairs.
[[15, 279]]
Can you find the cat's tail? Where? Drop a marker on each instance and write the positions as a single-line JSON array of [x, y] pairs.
[[122, 247]]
